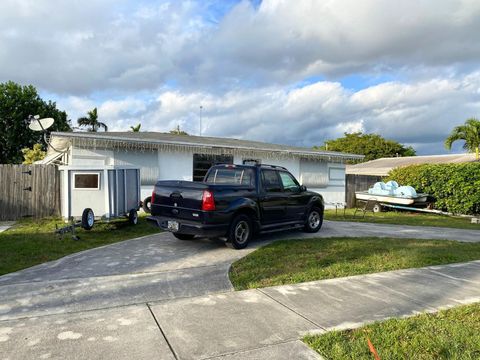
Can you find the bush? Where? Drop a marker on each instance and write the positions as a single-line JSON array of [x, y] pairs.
[[455, 186]]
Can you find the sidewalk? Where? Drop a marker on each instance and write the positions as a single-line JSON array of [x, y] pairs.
[[215, 325], [253, 324]]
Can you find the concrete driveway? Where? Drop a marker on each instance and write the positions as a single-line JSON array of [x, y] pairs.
[[97, 303]]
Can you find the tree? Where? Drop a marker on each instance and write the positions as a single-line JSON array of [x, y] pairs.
[[177, 131], [373, 146], [34, 154], [470, 133], [136, 128], [16, 104], [91, 120]]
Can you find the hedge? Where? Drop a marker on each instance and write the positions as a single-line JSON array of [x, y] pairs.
[[455, 186]]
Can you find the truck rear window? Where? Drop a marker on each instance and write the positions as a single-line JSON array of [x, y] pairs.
[[232, 176]]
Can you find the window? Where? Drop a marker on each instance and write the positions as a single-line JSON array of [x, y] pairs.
[[288, 181], [270, 181], [336, 173], [86, 181], [234, 176], [203, 162], [313, 173]]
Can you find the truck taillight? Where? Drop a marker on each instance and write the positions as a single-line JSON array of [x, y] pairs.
[[152, 199], [208, 201]]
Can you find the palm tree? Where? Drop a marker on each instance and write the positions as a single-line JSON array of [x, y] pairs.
[[470, 133], [178, 131], [92, 120], [136, 128]]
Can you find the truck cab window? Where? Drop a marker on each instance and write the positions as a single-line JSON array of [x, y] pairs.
[[288, 181], [231, 176], [271, 181]]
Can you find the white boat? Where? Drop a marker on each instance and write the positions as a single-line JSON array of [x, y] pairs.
[[388, 199], [391, 193]]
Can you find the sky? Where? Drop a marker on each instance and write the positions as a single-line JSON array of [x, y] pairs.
[[291, 72]]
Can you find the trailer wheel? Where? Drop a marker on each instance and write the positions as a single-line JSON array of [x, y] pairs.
[[147, 205], [88, 219], [133, 217], [377, 208]]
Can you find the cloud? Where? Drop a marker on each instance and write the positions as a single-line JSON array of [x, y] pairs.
[[71, 47], [124, 46], [271, 71], [420, 114]]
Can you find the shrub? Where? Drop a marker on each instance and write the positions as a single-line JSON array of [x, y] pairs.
[[455, 186]]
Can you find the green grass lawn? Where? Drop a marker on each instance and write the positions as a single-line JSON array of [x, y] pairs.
[[403, 218], [295, 261], [449, 334], [32, 242]]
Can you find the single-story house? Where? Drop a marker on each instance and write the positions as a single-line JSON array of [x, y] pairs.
[[162, 156], [360, 177]]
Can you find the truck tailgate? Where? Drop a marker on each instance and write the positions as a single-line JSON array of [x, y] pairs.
[[179, 199]]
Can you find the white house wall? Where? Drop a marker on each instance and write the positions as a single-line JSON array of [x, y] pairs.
[[178, 165], [293, 165], [333, 192], [91, 157], [147, 161]]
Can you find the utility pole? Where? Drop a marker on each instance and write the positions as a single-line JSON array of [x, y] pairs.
[[201, 108]]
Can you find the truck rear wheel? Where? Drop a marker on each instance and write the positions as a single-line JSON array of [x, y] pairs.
[[240, 232], [147, 205], [314, 220]]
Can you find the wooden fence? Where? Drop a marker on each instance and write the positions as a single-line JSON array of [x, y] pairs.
[[29, 191], [358, 183]]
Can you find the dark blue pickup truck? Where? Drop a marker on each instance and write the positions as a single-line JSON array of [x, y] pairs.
[[234, 202]]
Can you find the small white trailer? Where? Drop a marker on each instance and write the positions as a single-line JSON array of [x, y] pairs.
[[99, 192]]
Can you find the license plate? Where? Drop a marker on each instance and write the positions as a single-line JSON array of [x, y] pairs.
[[172, 225]]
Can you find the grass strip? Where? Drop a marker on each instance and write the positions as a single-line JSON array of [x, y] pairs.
[[295, 261], [403, 218], [31, 242], [449, 334]]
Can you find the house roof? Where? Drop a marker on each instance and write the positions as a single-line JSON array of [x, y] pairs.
[[157, 140], [381, 167]]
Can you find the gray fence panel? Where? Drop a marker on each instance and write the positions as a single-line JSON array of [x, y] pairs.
[[358, 183], [29, 191]]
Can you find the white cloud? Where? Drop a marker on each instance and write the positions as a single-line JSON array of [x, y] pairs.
[[420, 114], [156, 62], [81, 47]]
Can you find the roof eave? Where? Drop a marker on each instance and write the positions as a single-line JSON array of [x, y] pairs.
[[345, 156]]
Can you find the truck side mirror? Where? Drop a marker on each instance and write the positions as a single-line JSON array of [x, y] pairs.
[[303, 188]]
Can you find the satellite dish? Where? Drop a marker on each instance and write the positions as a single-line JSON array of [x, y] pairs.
[[37, 124]]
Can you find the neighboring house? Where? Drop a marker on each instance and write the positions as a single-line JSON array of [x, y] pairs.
[[362, 176], [163, 156]]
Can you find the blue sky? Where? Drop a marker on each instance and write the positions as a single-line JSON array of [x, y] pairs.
[[293, 72]]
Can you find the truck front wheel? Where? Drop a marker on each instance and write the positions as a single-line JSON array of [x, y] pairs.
[[240, 232], [314, 220]]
